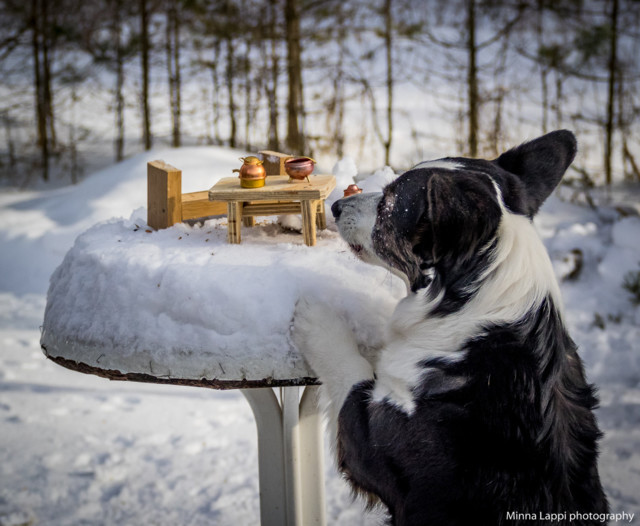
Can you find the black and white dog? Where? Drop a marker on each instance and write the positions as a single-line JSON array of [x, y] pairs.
[[476, 411]]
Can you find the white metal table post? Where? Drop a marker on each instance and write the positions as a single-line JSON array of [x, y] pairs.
[[311, 453], [290, 456]]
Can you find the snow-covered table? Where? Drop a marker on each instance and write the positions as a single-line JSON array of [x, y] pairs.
[[182, 306]]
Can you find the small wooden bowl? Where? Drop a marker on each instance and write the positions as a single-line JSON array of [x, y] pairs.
[[299, 168]]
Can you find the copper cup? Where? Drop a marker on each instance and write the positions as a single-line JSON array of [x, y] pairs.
[[299, 168]]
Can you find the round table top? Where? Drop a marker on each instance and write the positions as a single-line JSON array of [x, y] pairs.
[[57, 351], [181, 306]]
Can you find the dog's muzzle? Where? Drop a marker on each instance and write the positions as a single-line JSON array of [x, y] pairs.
[[336, 208]]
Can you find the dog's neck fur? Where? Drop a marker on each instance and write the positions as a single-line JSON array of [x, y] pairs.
[[516, 278]]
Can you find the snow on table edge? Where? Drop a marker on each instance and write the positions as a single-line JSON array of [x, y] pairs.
[[140, 367]]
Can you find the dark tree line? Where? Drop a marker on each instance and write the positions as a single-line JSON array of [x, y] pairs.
[[323, 77]]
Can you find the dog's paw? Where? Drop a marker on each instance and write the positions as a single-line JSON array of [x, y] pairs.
[[302, 322], [311, 321], [329, 346], [319, 333]]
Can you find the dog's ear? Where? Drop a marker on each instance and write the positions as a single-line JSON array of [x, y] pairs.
[[463, 213], [540, 164]]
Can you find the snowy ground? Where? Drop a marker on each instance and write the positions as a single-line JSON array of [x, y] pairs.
[[78, 449]]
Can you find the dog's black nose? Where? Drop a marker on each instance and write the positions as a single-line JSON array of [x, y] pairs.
[[336, 208]]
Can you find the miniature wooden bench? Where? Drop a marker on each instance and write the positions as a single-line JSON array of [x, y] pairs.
[[167, 205]]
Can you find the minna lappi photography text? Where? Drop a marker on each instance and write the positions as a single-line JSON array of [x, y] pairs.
[[574, 516]]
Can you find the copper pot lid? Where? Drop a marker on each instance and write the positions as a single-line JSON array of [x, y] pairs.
[[352, 189]]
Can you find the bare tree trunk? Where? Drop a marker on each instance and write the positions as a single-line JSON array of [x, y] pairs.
[[338, 88], [472, 78], [272, 92], [46, 72], [559, 97], [172, 46], [496, 132], [499, 95], [117, 35], [248, 113], [216, 93], [247, 105], [545, 98], [295, 137], [383, 135], [544, 70], [613, 66], [177, 128], [624, 122], [230, 91], [120, 109], [388, 28], [73, 147], [41, 118], [144, 36], [168, 47], [11, 149], [257, 93], [627, 156]]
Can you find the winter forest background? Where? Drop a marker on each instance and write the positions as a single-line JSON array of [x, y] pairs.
[[91, 91], [387, 81]]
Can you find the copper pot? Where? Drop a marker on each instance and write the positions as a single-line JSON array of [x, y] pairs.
[[299, 168], [352, 189], [252, 172]]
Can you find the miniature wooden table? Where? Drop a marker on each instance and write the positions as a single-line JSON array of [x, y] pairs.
[[290, 442], [278, 196]]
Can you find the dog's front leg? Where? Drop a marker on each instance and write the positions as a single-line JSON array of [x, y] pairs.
[[330, 348]]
